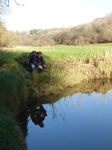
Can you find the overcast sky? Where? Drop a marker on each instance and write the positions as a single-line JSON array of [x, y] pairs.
[[42, 14]]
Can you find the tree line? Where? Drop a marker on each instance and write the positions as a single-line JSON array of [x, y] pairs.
[[98, 31], [7, 38]]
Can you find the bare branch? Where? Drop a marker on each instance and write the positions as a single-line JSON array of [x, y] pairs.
[[7, 3], [18, 3]]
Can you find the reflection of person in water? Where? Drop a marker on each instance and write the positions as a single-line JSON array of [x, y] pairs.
[[39, 116]]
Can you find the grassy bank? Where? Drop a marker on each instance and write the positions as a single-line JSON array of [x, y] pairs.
[[67, 66], [11, 136]]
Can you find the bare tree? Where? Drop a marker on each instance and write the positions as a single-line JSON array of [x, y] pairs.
[[7, 2]]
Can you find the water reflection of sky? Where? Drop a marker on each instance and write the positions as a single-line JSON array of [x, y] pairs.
[[80, 121]]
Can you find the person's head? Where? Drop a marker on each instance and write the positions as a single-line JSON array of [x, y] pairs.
[[39, 54]]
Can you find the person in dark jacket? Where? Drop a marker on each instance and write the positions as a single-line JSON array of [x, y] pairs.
[[36, 61], [38, 116]]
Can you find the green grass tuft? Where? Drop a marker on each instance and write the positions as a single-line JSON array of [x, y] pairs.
[[11, 136], [13, 90]]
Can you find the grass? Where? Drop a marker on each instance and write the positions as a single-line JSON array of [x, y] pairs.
[[13, 90], [11, 136], [67, 66]]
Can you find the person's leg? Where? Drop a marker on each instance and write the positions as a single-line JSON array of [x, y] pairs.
[[32, 66]]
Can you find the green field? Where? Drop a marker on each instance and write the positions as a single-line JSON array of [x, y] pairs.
[[66, 51]]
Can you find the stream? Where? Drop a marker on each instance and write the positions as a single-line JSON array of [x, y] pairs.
[[77, 120]]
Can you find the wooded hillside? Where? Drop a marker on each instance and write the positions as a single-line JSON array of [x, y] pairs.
[[98, 31]]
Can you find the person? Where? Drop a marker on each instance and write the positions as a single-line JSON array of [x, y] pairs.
[[36, 61], [38, 116]]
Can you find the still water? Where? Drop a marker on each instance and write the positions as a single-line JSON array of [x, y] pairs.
[[81, 121]]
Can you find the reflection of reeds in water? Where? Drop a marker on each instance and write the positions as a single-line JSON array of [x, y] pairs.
[[96, 92], [80, 100], [57, 110]]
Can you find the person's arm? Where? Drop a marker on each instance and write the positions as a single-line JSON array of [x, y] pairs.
[[43, 62]]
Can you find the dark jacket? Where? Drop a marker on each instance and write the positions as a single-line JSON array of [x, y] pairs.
[[35, 60]]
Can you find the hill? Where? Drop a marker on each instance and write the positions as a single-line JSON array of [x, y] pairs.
[[98, 31]]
